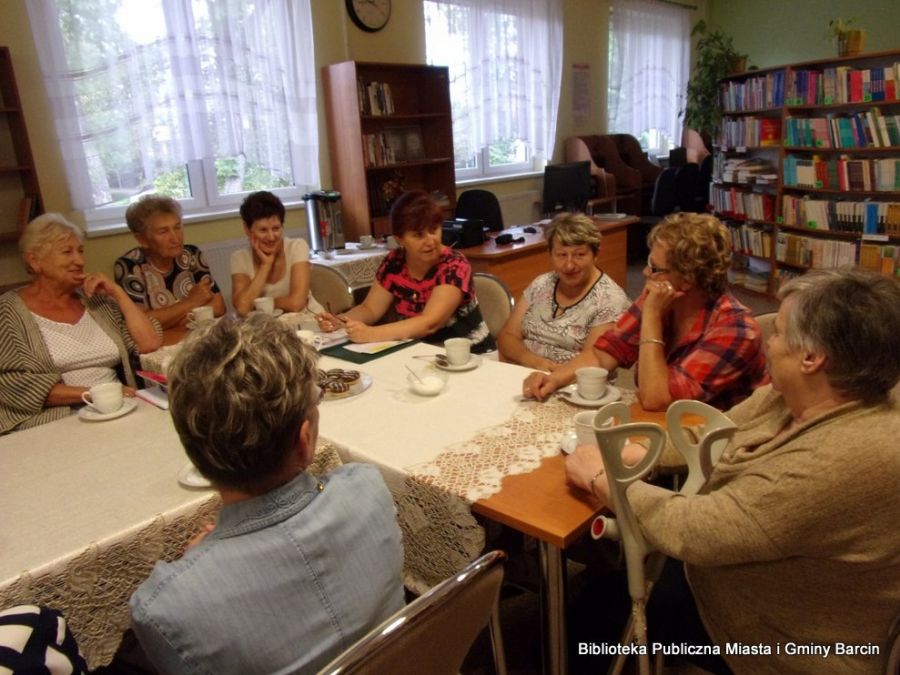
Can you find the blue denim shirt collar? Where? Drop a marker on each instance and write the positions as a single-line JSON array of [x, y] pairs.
[[266, 510]]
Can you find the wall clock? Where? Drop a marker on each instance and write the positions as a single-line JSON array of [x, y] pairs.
[[369, 15]]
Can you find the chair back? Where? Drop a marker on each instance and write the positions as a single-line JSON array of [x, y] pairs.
[[331, 288], [480, 205], [433, 633], [494, 300], [766, 324], [664, 201]]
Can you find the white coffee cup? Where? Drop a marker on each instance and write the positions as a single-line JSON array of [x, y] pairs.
[[584, 427], [104, 398], [200, 314], [458, 351], [266, 305], [591, 382], [366, 241], [392, 242]]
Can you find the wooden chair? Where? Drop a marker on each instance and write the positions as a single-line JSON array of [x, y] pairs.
[[331, 288], [433, 633], [494, 299]]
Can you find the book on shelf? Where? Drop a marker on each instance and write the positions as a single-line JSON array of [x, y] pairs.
[[375, 98]]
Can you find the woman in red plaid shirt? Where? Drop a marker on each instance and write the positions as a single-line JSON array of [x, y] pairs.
[[690, 338]]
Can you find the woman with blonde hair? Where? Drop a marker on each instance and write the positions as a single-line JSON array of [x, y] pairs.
[[65, 331], [690, 337], [564, 311]]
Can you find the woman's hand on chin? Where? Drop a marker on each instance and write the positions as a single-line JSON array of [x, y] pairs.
[[263, 257], [99, 284]]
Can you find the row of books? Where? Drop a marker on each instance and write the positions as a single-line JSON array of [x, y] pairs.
[[860, 216], [751, 240], [393, 146], [783, 275], [749, 170], [880, 258], [750, 132], [741, 205], [375, 98], [842, 173], [756, 93], [751, 273], [869, 129], [842, 84], [814, 252]]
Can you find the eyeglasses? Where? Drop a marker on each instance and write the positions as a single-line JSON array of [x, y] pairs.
[[654, 269]]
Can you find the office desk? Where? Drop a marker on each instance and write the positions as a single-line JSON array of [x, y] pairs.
[[518, 264]]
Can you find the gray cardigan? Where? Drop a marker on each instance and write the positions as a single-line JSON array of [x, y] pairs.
[[27, 373]]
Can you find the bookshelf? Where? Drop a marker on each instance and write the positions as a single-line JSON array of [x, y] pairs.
[[390, 129], [20, 194], [807, 168]]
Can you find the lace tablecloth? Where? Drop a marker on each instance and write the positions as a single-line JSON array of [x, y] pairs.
[[359, 266], [439, 455]]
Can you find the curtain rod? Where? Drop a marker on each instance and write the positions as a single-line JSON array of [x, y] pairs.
[[679, 4]]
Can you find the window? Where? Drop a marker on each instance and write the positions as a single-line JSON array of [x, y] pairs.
[[505, 61], [203, 100], [649, 66]]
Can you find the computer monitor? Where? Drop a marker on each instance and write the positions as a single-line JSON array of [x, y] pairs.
[[567, 187]]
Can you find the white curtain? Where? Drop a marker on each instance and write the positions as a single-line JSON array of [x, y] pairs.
[[140, 87], [649, 67], [505, 59]]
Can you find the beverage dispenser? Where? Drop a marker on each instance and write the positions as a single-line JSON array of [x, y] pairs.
[[323, 220]]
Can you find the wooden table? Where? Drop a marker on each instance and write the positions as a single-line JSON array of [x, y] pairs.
[[518, 264], [541, 505]]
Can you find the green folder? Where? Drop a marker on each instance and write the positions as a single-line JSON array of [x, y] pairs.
[[340, 352]]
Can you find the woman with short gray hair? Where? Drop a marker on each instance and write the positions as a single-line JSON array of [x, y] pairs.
[[65, 331]]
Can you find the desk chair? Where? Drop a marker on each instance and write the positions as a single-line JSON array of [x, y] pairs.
[[644, 565], [331, 288], [480, 205], [494, 299], [434, 632]]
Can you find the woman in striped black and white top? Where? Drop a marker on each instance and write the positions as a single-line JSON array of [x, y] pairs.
[[65, 331]]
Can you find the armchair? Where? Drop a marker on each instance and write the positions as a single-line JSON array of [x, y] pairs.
[[633, 155], [601, 150], [577, 150]]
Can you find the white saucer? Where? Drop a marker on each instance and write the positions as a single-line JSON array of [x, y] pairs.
[[191, 478], [570, 394], [88, 414], [568, 442], [473, 362]]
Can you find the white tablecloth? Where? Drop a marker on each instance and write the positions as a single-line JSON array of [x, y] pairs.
[[358, 265]]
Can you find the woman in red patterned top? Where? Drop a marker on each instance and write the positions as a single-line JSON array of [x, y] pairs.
[[428, 284]]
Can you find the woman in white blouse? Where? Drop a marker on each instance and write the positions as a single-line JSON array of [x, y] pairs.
[[65, 331], [563, 312], [273, 266]]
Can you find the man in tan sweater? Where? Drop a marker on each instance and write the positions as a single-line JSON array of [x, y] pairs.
[[791, 549]]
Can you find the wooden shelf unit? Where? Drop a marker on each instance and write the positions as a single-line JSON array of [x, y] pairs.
[[419, 109], [766, 240], [20, 194]]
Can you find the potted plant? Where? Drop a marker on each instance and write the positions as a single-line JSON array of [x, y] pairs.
[[716, 58], [850, 40]]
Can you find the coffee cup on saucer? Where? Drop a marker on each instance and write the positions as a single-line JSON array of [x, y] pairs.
[[591, 382], [392, 242], [366, 241], [104, 398], [264, 305], [458, 351], [584, 427], [201, 314]]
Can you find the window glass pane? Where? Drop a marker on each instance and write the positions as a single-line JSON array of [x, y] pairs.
[[236, 174], [507, 151]]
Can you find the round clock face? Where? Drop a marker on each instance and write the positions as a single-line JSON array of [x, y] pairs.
[[370, 15]]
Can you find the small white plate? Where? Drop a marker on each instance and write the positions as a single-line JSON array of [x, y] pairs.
[[189, 477], [365, 381], [568, 442], [471, 364], [570, 394], [88, 414]]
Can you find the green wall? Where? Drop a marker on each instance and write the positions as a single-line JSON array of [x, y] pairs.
[[773, 32]]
